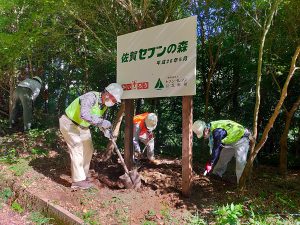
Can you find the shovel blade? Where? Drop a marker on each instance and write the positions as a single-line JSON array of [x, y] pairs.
[[131, 180]]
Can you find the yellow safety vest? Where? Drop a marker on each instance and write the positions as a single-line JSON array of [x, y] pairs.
[[73, 111], [234, 130]]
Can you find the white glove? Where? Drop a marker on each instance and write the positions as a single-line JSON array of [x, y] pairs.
[[105, 124], [107, 133]]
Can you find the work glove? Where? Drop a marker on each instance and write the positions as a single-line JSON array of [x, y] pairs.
[[107, 133], [208, 168], [105, 124]]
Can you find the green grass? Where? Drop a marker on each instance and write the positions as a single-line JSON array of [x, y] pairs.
[[89, 218], [5, 194], [10, 156], [20, 167], [17, 207], [39, 219], [196, 220]]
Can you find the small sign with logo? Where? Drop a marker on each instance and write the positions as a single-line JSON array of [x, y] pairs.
[[159, 61]]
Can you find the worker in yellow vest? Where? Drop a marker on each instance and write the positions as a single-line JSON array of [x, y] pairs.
[[144, 124], [84, 111], [227, 139]]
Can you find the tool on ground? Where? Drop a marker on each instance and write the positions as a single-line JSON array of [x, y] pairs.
[[208, 168], [131, 179]]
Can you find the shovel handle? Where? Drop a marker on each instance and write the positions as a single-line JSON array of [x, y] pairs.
[[147, 145], [120, 156], [118, 151]]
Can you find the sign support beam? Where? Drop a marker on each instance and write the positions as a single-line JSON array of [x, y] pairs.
[[128, 139], [187, 143]]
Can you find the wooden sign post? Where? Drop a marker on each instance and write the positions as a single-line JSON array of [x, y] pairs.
[[187, 143], [128, 140]]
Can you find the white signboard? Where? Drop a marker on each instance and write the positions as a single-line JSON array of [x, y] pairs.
[[159, 61]]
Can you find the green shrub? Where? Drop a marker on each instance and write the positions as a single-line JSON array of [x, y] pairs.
[[10, 156], [196, 220], [38, 218], [229, 214], [5, 194], [17, 207], [39, 151]]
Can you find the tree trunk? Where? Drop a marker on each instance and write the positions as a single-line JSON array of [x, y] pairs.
[[284, 137], [12, 83], [116, 129], [271, 121], [266, 28], [297, 150]]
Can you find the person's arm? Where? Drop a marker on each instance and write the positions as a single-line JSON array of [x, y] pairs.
[[87, 101], [136, 132], [35, 93], [218, 135]]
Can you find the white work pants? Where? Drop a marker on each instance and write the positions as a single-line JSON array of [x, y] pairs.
[[150, 147], [239, 150], [80, 147]]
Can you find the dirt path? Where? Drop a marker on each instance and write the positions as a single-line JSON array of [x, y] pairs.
[[159, 201], [10, 217]]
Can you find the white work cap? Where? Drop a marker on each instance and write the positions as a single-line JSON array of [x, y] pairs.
[[198, 128], [115, 90], [38, 79], [151, 121]]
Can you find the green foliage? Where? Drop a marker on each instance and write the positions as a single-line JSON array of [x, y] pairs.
[[121, 215], [72, 44], [285, 200], [148, 223], [149, 217], [34, 133], [39, 219], [229, 214], [17, 207], [5, 194], [50, 136], [269, 219], [20, 167], [165, 212], [89, 219], [196, 220], [10, 157], [39, 151]]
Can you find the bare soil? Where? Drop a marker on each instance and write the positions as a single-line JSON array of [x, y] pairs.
[[159, 200], [10, 217]]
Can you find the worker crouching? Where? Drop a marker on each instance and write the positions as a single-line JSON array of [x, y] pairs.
[[227, 139], [144, 124]]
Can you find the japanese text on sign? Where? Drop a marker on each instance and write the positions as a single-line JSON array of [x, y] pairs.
[[158, 51]]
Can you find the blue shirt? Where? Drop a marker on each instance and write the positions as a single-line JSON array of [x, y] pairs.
[[217, 135]]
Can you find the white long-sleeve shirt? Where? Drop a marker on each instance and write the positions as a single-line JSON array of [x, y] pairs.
[[87, 101], [33, 85]]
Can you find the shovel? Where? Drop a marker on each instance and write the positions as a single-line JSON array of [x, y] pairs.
[[131, 179]]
